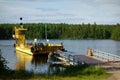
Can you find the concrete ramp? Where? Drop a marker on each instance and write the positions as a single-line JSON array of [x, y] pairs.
[[87, 59]]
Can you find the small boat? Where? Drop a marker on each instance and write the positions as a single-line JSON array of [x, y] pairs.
[[33, 48]]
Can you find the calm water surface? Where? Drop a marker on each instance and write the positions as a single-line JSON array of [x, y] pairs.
[[21, 61]]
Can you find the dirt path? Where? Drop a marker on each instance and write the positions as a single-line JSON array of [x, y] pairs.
[[115, 73]]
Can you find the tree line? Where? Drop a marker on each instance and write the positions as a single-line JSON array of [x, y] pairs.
[[64, 31]]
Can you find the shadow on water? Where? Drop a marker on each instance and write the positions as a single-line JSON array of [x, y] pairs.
[[39, 59]]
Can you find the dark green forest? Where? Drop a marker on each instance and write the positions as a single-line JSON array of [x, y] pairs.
[[64, 31]]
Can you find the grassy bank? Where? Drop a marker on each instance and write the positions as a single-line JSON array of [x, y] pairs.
[[81, 72], [84, 72]]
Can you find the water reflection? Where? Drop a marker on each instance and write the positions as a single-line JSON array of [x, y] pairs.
[[22, 59], [38, 64]]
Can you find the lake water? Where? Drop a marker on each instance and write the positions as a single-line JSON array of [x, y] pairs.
[[21, 61]]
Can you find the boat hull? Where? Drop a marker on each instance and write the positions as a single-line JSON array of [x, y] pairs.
[[24, 50], [37, 50]]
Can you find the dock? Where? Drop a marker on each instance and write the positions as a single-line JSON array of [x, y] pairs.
[[93, 57]]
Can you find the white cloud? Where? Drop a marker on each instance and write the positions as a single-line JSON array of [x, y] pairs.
[[70, 11]]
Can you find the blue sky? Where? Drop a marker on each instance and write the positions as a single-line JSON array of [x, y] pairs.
[[60, 11]]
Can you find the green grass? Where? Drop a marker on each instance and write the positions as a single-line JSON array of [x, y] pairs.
[[80, 72]]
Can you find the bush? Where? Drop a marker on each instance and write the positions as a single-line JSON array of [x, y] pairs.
[[3, 66], [80, 70]]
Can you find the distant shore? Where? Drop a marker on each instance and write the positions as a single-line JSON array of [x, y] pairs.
[[64, 31]]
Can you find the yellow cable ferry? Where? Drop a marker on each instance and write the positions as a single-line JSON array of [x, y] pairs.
[[34, 48]]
